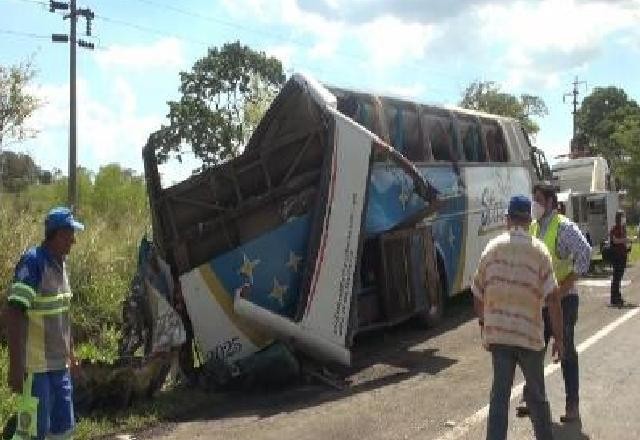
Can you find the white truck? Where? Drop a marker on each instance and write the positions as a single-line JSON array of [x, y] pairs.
[[587, 196]]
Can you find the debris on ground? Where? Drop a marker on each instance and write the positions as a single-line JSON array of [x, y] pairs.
[[104, 385]]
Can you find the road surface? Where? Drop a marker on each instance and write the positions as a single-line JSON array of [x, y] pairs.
[[410, 384]]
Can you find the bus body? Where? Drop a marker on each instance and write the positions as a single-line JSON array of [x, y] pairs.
[[346, 211]]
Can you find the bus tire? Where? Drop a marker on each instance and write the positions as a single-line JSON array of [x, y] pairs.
[[433, 315]]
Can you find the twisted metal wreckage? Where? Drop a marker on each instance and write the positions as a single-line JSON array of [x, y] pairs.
[[312, 235]]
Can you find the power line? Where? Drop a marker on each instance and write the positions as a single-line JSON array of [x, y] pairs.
[[24, 34], [272, 35], [37, 2], [278, 37], [227, 23], [148, 29]]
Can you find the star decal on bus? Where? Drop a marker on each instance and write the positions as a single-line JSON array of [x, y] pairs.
[[278, 291], [294, 261], [248, 266]]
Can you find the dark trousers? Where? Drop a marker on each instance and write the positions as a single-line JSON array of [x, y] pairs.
[[619, 264], [504, 359], [569, 364]]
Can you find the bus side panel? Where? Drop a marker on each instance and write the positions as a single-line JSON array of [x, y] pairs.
[[488, 191], [391, 198], [448, 227]]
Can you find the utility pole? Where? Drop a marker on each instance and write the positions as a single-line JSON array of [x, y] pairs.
[[73, 14], [575, 94]]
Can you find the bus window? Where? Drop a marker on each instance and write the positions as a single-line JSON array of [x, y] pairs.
[[441, 138], [393, 120], [414, 148], [496, 145], [471, 141], [365, 115], [502, 152], [349, 106]]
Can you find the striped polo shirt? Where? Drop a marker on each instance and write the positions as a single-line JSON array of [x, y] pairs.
[[513, 279]]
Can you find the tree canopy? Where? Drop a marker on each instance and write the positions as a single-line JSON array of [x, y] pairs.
[[627, 137], [487, 96], [17, 104], [19, 170], [223, 98], [601, 114]]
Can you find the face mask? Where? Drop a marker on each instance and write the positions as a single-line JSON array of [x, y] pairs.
[[537, 210]]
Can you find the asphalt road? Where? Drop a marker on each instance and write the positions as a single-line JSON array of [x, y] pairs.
[[407, 383]]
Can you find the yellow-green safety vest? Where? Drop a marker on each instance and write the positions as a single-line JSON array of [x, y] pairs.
[[561, 267]]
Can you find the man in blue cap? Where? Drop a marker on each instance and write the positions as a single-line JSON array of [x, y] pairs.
[[513, 283], [39, 333]]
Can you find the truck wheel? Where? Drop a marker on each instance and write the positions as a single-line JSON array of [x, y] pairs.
[[432, 316]]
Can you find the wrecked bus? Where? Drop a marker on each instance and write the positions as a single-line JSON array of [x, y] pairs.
[[345, 212]]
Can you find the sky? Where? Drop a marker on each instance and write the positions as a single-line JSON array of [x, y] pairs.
[[424, 50]]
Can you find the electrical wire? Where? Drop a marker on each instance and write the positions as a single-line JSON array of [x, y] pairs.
[[275, 36], [24, 34]]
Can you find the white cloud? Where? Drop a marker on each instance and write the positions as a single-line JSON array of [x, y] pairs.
[[108, 132], [385, 40], [541, 40], [390, 41], [283, 52], [166, 52], [527, 43]]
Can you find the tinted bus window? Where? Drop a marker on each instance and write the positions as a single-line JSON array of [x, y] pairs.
[[471, 141], [414, 147], [441, 138], [496, 145]]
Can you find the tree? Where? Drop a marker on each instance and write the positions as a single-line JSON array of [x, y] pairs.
[[16, 103], [486, 96], [223, 97], [16, 106], [627, 166], [600, 116], [19, 171], [117, 190]]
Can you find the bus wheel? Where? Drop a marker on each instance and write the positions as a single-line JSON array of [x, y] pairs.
[[432, 316]]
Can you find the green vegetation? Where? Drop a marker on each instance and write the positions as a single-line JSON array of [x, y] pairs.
[[609, 125], [113, 206], [486, 96], [223, 99], [634, 255], [17, 103]]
